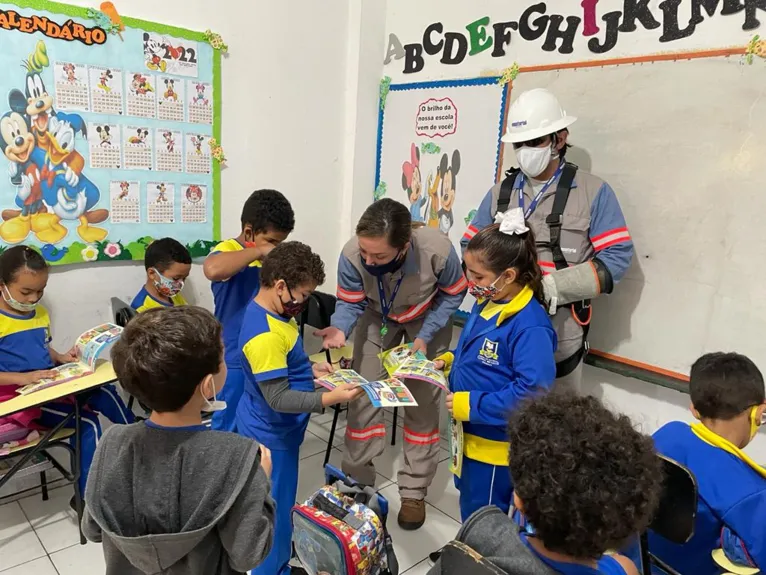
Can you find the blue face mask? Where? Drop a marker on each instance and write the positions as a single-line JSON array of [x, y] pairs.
[[383, 269]]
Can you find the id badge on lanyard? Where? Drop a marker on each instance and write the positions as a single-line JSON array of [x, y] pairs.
[[533, 206], [386, 306]]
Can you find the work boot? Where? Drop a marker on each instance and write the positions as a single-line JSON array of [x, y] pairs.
[[412, 515]]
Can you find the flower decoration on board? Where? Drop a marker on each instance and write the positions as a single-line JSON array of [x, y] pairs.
[[429, 148], [509, 75], [216, 150], [385, 85], [107, 18], [380, 192], [756, 47], [216, 41], [113, 250], [89, 254]]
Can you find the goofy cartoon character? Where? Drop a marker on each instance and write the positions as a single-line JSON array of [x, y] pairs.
[[412, 183], [70, 194]]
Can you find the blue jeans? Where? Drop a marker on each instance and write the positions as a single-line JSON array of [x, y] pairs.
[[482, 484], [231, 393]]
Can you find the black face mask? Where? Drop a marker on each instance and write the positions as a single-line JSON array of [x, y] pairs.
[[383, 269], [293, 308]]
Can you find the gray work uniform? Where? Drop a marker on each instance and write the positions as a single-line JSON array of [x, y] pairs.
[[431, 290]]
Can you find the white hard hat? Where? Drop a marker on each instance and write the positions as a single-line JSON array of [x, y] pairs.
[[534, 114]]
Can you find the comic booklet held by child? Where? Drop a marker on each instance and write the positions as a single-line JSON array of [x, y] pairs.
[[401, 363], [387, 393], [90, 346]]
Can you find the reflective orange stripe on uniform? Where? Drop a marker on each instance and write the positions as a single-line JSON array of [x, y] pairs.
[[421, 438], [413, 312], [367, 433], [351, 296]]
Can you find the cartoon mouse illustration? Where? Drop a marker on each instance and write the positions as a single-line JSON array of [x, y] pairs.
[[197, 143], [200, 98], [124, 190], [412, 183], [170, 142], [161, 191], [69, 71], [140, 85], [194, 194], [104, 136], [140, 137], [152, 49], [104, 79], [170, 92], [447, 191]]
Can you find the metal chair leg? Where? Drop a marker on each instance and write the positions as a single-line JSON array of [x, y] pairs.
[[393, 431], [44, 485], [331, 440]]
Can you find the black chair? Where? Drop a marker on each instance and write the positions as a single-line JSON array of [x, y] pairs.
[[457, 558], [676, 513], [123, 313], [317, 314]]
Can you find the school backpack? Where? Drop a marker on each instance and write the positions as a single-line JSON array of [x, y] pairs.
[[341, 530]]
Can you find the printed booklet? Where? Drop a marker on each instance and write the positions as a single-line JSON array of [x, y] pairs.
[[455, 447], [400, 364], [90, 347], [387, 393]]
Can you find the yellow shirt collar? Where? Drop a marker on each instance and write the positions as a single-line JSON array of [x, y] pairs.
[[503, 311], [716, 440]]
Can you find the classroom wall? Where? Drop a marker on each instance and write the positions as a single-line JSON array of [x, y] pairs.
[[284, 86]]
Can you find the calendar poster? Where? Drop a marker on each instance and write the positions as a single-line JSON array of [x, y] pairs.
[[106, 90], [160, 202], [71, 86], [118, 125], [126, 202], [105, 143], [193, 203], [198, 159]]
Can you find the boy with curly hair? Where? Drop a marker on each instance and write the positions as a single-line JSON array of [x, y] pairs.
[[279, 380], [586, 482], [727, 394]]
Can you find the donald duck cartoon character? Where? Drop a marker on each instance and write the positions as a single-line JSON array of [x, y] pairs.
[[70, 194]]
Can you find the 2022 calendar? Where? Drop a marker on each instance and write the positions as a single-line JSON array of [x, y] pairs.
[[106, 134]]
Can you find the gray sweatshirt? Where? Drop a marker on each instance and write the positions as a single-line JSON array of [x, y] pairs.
[[173, 501], [493, 534]]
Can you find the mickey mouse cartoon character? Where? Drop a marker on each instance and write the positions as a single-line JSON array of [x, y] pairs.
[[170, 92], [140, 138], [69, 72], [197, 143], [104, 79], [447, 192], [152, 49], [124, 190], [412, 183], [104, 136], [161, 193]]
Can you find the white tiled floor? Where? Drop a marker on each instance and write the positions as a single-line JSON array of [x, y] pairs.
[[41, 537]]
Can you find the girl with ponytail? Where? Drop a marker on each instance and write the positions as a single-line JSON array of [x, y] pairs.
[[504, 356]]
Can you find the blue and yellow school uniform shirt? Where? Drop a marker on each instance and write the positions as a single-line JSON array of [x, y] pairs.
[[732, 492], [25, 341], [504, 355], [272, 349], [144, 301], [231, 298]]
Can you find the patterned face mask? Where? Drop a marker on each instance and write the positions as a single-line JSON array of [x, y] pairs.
[[484, 292], [293, 308], [166, 286]]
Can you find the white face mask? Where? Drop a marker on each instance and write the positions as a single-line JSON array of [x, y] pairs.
[[215, 405], [15, 304], [533, 161]]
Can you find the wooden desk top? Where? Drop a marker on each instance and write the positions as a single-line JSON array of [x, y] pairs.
[[104, 374]]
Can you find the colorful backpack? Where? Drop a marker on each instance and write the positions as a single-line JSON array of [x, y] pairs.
[[341, 530]]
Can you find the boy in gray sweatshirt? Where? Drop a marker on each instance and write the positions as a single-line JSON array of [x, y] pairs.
[[167, 495], [585, 481]]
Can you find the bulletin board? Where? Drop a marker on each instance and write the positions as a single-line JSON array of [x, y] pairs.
[[436, 140], [106, 134]]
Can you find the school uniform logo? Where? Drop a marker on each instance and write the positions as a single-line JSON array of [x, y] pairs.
[[488, 352]]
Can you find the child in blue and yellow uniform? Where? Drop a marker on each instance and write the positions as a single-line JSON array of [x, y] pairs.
[[727, 394], [279, 380], [233, 267], [26, 355], [168, 264], [505, 354]]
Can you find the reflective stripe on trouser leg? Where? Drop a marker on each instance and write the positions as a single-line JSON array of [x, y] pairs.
[[366, 432]]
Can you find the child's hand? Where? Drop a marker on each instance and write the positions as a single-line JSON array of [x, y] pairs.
[[448, 402], [321, 369], [35, 376], [266, 460], [259, 250], [418, 346], [342, 394], [439, 364], [68, 357], [332, 337]]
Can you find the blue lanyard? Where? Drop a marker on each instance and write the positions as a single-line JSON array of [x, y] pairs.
[[385, 306], [536, 200]]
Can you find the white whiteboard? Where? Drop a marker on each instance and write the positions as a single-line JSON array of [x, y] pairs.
[[683, 144], [467, 119]]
